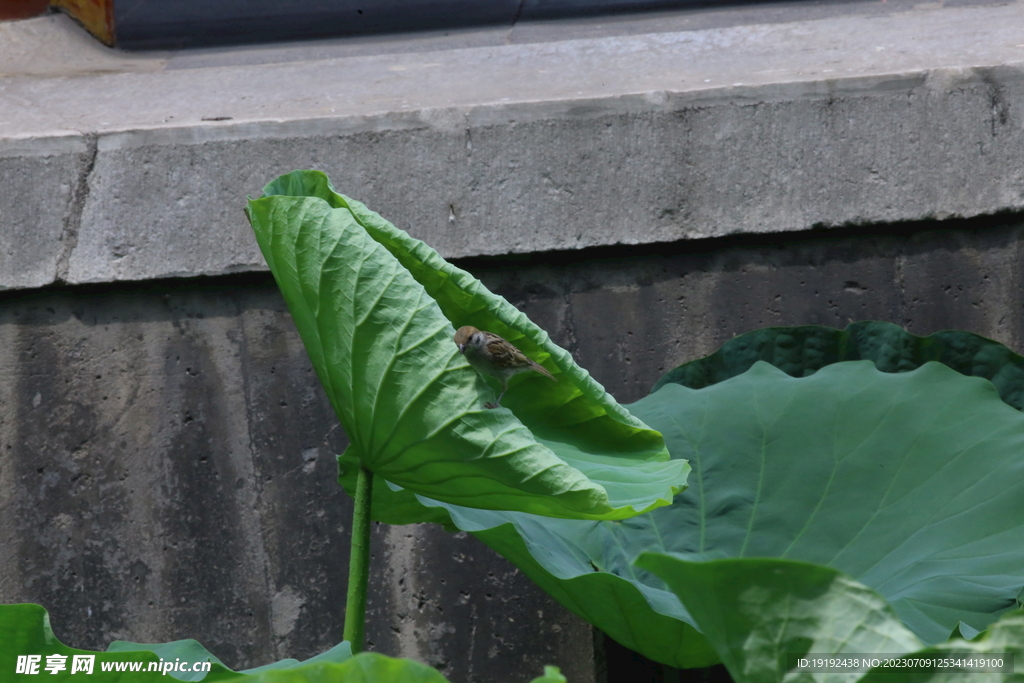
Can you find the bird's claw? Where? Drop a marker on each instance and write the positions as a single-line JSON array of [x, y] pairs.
[[491, 406]]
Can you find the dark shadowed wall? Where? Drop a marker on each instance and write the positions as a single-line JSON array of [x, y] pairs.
[[167, 455]]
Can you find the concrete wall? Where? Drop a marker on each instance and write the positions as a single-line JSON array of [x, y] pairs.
[[127, 167]]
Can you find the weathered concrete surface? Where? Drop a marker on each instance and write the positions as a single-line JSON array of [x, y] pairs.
[[167, 471], [44, 185], [627, 137], [166, 463]]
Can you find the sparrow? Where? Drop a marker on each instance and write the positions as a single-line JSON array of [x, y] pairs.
[[491, 355]]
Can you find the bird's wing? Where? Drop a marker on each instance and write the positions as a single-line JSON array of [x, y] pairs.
[[505, 355]]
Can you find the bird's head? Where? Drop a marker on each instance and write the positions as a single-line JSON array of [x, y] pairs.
[[464, 337]]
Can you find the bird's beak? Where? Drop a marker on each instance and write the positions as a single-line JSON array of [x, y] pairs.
[[462, 348]]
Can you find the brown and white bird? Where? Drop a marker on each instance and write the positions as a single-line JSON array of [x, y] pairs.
[[491, 355]]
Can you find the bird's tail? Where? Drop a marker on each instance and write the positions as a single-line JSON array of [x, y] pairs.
[[542, 370]]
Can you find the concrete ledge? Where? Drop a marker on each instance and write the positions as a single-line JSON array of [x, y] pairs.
[[644, 130], [40, 206]]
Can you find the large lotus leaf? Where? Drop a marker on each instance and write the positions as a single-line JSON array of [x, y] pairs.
[[764, 615], [911, 483], [802, 351], [761, 614], [377, 309]]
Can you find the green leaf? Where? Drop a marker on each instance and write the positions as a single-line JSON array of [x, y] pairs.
[[964, 631], [341, 652], [586, 567], [25, 630], [552, 674], [1005, 637], [763, 615], [911, 483], [192, 651], [377, 310], [802, 351], [366, 667], [760, 614], [187, 650]]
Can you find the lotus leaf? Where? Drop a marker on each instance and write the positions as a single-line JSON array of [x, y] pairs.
[[25, 630], [803, 350], [911, 483], [377, 311], [765, 615]]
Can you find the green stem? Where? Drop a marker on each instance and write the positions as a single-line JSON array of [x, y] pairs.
[[359, 562]]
